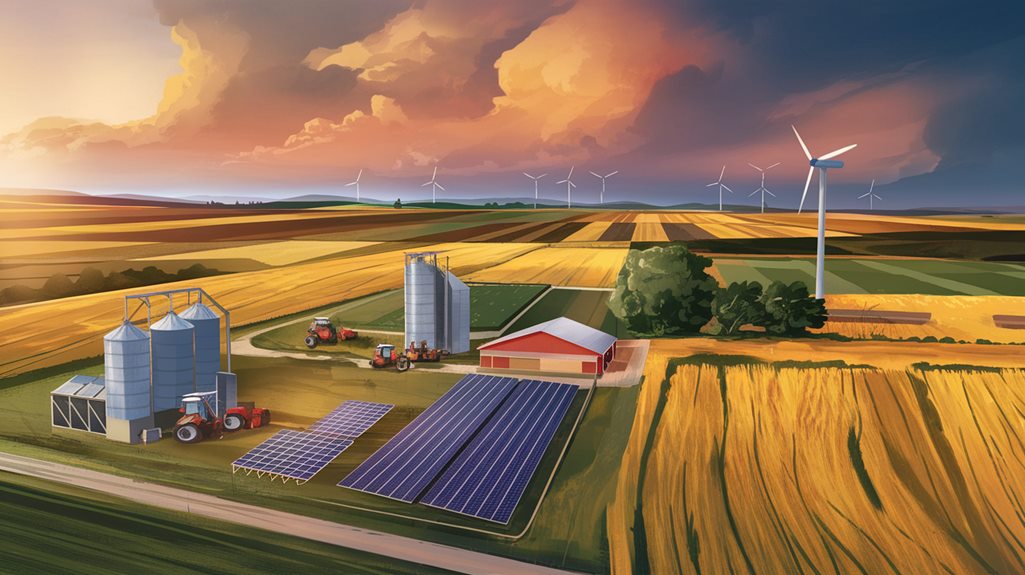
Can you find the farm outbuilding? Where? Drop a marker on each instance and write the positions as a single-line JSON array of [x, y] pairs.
[[80, 403], [557, 346]]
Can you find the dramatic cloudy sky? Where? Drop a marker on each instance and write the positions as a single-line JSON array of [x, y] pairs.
[[251, 97]]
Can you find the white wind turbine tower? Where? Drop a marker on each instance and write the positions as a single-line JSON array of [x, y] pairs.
[[870, 195], [762, 188], [535, 178], [823, 163], [721, 185], [435, 186], [602, 178], [356, 183], [569, 187]]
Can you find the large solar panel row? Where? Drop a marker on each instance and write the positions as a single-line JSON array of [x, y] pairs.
[[404, 467], [352, 418], [297, 455], [489, 477]]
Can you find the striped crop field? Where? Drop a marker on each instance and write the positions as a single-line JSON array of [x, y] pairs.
[[274, 253], [560, 266], [754, 468]]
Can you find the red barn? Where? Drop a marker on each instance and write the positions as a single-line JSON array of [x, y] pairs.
[[557, 346]]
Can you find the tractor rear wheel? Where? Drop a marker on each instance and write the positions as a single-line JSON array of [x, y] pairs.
[[402, 363], [187, 433], [311, 341], [234, 422]]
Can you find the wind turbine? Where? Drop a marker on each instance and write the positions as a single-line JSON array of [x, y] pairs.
[[569, 187], [762, 188], [356, 183], [721, 185], [870, 195], [602, 178], [823, 163], [435, 186], [535, 178]]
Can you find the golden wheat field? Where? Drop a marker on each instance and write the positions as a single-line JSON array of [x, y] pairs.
[[561, 266], [965, 318], [251, 296], [754, 469], [274, 253]]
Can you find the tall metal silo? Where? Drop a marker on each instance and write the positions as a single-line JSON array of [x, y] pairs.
[[173, 361], [208, 344], [424, 292], [458, 316], [126, 359]]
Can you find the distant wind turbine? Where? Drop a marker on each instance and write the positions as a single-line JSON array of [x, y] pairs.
[[602, 178], [535, 178], [435, 186], [569, 187], [870, 195], [721, 185], [356, 183], [823, 163], [762, 188]]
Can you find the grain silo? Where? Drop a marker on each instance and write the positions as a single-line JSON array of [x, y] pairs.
[[207, 344], [173, 361], [126, 361], [437, 305]]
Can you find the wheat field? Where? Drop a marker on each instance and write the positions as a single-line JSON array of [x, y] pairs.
[[755, 469], [561, 266]]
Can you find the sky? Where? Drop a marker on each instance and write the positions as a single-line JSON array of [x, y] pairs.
[[264, 98]]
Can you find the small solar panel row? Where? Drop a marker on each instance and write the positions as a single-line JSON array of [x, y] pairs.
[[489, 477], [352, 418], [404, 467], [291, 454]]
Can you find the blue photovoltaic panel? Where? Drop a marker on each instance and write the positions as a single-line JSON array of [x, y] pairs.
[[491, 474], [407, 464], [291, 454], [352, 418]]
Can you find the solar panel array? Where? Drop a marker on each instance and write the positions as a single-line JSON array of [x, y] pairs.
[[300, 455], [352, 418], [297, 455], [404, 467], [489, 477]]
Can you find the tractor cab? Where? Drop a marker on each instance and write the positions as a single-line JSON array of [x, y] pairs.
[[386, 351], [384, 355], [322, 322], [195, 406], [199, 419]]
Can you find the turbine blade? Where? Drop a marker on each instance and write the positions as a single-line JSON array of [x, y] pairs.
[[754, 166], [811, 172], [426, 183], [712, 184], [542, 175], [876, 197], [723, 172], [803, 147], [753, 193], [359, 174], [572, 185], [596, 175], [773, 166], [440, 187], [351, 184], [609, 175], [872, 187], [727, 188], [561, 182], [570, 172], [865, 195], [528, 175], [836, 153], [770, 193], [435, 174]]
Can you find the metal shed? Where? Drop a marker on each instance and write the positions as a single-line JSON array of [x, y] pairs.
[[80, 403], [557, 346]]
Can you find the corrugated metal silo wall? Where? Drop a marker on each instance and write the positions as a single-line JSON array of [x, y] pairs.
[[423, 312], [126, 361], [173, 361], [208, 345], [459, 316]]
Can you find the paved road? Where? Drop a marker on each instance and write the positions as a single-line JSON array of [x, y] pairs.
[[376, 542]]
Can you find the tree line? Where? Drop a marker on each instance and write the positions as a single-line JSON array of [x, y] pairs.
[[92, 280], [664, 291]]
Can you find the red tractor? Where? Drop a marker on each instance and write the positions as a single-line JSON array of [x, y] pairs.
[[199, 420], [385, 355], [323, 331], [417, 353]]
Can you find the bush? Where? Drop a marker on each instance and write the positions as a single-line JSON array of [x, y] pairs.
[[737, 305], [789, 310], [664, 291], [397, 204]]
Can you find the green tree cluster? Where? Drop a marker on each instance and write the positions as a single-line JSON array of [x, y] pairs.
[[92, 280]]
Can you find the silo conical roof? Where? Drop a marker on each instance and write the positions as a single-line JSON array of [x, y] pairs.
[[198, 311], [126, 332], [171, 322]]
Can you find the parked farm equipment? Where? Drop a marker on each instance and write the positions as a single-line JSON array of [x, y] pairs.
[[199, 419], [323, 331]]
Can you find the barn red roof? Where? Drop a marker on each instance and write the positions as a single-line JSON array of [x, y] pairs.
[[565, 329]]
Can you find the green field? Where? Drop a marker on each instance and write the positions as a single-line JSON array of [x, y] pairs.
[[589, 307], [493, 305], [884, 276], [299, 392], [51, 528]]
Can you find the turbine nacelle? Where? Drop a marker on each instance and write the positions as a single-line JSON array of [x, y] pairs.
[[817, 163]]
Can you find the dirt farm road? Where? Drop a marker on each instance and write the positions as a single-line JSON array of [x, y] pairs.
[[376, 542]]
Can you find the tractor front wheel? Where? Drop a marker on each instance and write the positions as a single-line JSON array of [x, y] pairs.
[[234, 422], [402, 364], [311, 341], [187, 433]]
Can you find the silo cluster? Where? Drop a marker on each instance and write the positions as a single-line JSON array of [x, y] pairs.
[[437, 305]]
